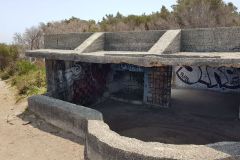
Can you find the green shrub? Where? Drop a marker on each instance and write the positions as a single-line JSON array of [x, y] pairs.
[[24, 67], [29, 78], [8, 54]]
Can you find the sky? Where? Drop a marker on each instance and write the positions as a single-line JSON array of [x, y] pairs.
[[17, 15]]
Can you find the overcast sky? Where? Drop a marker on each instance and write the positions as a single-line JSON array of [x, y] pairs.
[[16, 15]]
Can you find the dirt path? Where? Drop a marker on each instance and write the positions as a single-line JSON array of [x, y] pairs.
[[23, 136]]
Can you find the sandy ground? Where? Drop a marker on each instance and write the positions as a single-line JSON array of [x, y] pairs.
[[25, 137]]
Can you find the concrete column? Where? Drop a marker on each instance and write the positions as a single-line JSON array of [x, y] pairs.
[[157, 86], [239, 113], [58, 74], [50, 75]]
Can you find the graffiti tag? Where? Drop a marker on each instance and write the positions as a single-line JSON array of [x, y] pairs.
[[128, 67], [211, 77]]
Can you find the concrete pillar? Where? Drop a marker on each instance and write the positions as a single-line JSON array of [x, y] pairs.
[[157, 86], [58, 74], [239, 113], [50, 75]]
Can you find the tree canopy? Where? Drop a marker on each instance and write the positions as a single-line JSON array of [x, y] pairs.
[[184, 14]]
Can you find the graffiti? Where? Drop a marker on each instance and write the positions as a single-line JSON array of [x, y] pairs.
[[128, 67], [80, 83], [74, 73], [211, 77], [91, 86], [66, 78]]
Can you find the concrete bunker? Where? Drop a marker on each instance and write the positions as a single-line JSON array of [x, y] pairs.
[[154, 85]]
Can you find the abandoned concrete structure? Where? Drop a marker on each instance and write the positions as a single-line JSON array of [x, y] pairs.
[[138, 68]]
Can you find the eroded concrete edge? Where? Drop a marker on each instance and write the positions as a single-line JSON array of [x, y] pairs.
[[170, 42], [102, 143], [67, 116]]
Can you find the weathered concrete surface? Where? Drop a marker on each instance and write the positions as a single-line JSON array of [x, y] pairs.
[[131, 41], [211, 40], [65, 41], [94, 43], [218, 47], [103, 144], [228, 59], [67, 116], [170, 42]]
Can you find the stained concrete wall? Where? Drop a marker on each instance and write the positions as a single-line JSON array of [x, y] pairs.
[[109, 41], [67, 116], [65, 41], [131, 41], [211, 40], [206, 77]]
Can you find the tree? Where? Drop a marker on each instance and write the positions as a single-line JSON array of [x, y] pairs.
[[69, 26], [205, 13], [31, 39]]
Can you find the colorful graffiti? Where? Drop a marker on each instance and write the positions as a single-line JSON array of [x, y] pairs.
[[211, 77]]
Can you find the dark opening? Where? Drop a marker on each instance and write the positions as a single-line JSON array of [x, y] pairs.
[[129, 85]]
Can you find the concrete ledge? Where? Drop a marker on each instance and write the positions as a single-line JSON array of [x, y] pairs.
[[67, 116], [228, 59], [102, 144]]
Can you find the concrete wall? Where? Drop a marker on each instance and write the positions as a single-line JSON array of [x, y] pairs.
[[104, 144], [119, 41], [131, 41], [192, 40], [65, 41], [67, 116], [206, 77], [210, 40]]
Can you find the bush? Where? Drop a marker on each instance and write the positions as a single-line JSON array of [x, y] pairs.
[[24, 67], [31, 83], [29, 78], [8, 54]]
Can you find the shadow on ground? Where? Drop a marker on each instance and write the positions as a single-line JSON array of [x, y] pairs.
[[195, 117], [37, 122]]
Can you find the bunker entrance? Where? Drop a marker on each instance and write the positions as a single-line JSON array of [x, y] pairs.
[[193, 116], [128, 86]]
